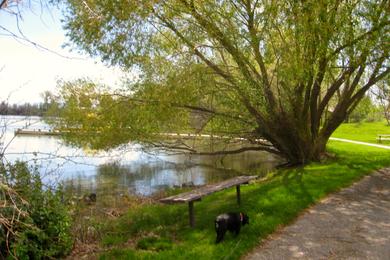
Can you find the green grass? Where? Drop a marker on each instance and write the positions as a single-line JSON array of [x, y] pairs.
[[161, 231], [365, 132]]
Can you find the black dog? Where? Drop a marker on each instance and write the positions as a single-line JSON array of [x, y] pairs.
[[229, 221]]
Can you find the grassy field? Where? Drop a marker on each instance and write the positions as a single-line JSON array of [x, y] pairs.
[[365, 132], [155, 231]]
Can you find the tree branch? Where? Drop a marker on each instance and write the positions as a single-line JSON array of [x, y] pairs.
[[189, 107], [240, 150], [220, 152], [3, 3], [314, 117], [333, 88], [360, 94], [258, 57], [244, 99], [242, 62], [359, 38]]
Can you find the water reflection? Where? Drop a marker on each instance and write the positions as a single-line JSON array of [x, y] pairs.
[[157, 173], [124, 170]]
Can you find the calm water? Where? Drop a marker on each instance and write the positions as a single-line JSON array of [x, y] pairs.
[[127, 169]]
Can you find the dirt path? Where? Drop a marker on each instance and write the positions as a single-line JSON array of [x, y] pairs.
[[358, 142], [351, 224]]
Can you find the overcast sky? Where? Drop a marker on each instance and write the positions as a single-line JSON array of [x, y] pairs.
[[27, 71]]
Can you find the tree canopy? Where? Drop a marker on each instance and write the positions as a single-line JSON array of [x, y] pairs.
[[283, 74]]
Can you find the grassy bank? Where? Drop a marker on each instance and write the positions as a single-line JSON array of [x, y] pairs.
[[365, 132], [154, 231]]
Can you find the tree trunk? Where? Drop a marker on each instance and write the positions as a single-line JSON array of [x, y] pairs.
[[303, 152], [295, 141]]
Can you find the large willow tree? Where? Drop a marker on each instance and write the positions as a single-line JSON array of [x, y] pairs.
[[283, 74]]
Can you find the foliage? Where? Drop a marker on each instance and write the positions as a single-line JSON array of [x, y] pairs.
[[382, 92], [103, 120], [35, 223], [260, 70], [161, 231], [365, 111]]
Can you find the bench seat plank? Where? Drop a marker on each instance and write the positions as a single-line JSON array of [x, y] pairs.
[[384, 137], [197, 194]]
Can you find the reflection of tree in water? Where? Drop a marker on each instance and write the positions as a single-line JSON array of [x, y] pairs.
[[248, 163], [148, 177], [156, 173]]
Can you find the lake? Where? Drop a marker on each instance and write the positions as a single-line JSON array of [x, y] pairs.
[[128, 169]]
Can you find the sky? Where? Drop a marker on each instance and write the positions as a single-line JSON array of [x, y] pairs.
[[26, 71]]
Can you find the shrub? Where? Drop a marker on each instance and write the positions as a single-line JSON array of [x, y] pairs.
[[35, 224]]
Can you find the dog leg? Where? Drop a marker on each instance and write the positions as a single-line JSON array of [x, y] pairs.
[[220, 236], [220, 228], [237, 230]]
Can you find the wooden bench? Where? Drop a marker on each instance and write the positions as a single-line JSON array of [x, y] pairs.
[[197, 194], [381, 138]]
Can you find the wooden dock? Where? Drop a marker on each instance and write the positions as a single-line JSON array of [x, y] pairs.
[[37, 132]]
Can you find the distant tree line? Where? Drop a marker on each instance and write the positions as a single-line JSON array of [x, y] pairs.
[[367, 111], [25, 109]]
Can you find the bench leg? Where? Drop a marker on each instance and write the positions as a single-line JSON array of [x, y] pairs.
[[238, 194], [191, 213]]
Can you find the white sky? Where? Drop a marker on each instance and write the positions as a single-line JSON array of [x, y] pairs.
[[28, 71]]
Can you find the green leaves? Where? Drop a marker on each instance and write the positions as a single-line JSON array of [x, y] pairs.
[[35, 222], [257, 67]]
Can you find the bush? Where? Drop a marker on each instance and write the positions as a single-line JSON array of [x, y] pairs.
[[35, 224]]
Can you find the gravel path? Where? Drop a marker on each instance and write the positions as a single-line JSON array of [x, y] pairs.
[[351, 224], [358, 142]]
